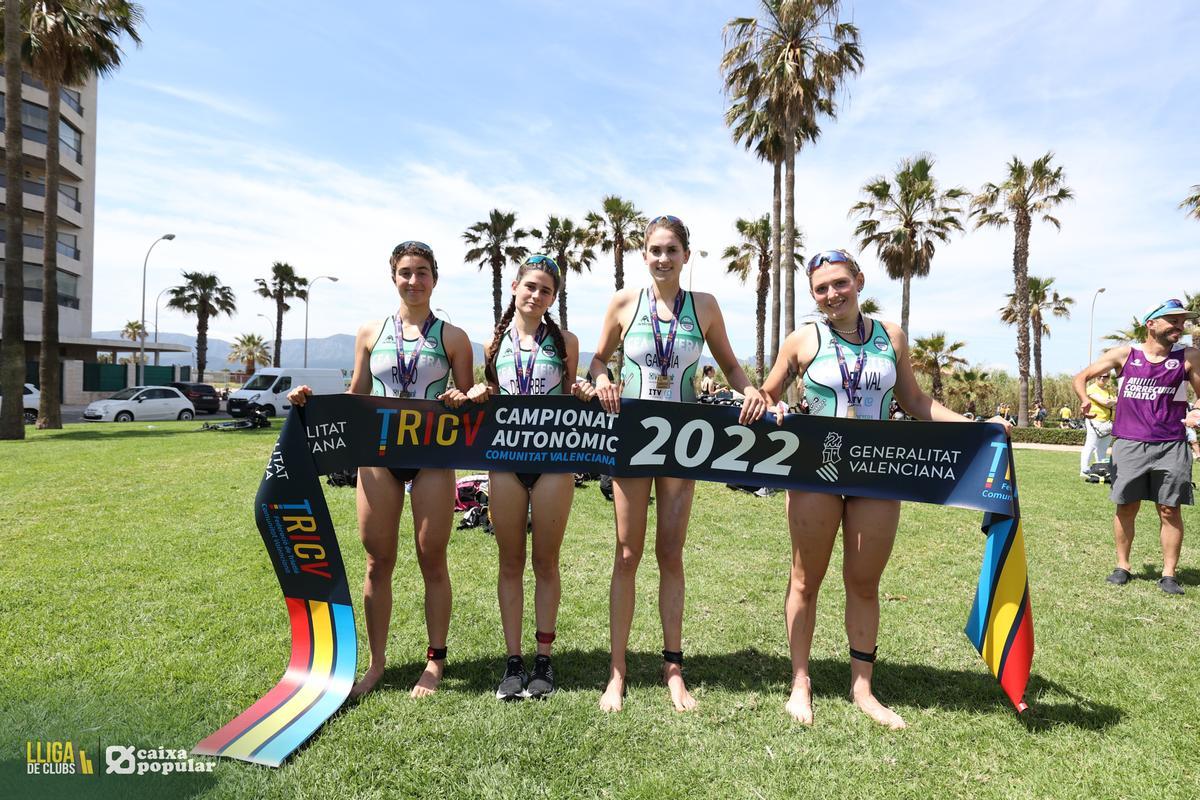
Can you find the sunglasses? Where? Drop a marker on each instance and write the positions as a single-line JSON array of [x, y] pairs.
[[411, 243], [669, 218], [545, 261], [829, 257]]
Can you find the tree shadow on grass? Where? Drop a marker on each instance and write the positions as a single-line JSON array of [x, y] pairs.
[[1187, 576], [749, 670]]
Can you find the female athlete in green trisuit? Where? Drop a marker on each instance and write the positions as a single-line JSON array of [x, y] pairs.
[[664, 330], [530, 355], [851, 366], [411, 353]]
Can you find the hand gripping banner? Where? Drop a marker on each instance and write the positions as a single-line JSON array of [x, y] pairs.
[[968, 465]]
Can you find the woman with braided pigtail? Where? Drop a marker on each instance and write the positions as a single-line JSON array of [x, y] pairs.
[[530, 355]]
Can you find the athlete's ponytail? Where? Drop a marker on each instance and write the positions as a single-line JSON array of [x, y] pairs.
[[489, 365], [559, 345]]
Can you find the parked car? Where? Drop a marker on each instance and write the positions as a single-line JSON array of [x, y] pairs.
[[29, 403], [203, 396], [268, 388], [141, 402]]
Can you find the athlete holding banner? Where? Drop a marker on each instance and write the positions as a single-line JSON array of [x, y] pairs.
[[852, 367], [530, 355], [663, 330], [409, 354]]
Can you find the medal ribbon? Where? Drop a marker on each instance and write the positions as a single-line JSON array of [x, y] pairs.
[[408, 371], [664, 351], [850, 380], [525, 374]]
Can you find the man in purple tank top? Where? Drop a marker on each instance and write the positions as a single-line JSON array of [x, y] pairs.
[[1150, 454]]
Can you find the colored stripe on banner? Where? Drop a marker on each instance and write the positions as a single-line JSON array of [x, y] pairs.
[[318, 679]]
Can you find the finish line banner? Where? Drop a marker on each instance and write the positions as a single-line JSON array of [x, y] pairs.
[[968, 465]]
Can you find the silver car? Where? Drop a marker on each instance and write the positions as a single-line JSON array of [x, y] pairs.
[[141, 402]]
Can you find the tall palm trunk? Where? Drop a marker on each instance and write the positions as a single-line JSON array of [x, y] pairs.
[[1035, 324], [12, 357], [1021, 226], [562, 294], [49, 409], [904, 299], [937, 383], [497, 270], [789, 234], [776, 253], [275, 362], [201, 344], [619, 261], [764, 280]]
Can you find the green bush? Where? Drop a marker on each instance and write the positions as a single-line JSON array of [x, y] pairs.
[[1049, 436]]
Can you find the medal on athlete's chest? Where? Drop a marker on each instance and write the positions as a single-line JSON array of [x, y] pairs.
[[851, 380], [406, 368], [662, 382], [404, 393], [664, 346], [852, 412]]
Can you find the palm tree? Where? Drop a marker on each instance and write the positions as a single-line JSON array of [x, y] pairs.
[[1134, 334], [1026, 192], [205, 296], [134, 331], [791, 63], [66, 42], [12, 340], [1043, 300], [902, 221], [567, 243], [751, 254], [1191, 203], [967, 387], [753, 125], [495, 243], [617, 228], [249, 349], [935, 357], [284, 283]]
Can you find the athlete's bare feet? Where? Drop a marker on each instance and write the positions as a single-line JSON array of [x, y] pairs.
[[864, 699], [673, 675], [799, 705], [367, 682], [427, 684], [614, 693]]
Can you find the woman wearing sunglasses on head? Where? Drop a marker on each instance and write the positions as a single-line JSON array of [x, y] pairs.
[[663, 329], [852, 366], [530, 355], [411, 353]]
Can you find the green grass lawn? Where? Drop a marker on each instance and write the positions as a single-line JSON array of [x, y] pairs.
[[139, 607]]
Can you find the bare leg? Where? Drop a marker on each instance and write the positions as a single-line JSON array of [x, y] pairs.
[[552, 496], [433, 512], [1123, 524], [1171, 533], [869, 529], [813, 521], [380, 500], [674, 510], [508, 507], [631, 496]]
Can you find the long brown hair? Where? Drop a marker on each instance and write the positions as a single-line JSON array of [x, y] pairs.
[[542, 263]]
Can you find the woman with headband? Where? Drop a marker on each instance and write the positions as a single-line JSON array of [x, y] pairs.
[[413, 354], [663, 329], [852, 366], [530, 355]]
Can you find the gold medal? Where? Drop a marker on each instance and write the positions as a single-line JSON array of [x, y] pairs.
[[663, 382], [852, 412], [404, 393]]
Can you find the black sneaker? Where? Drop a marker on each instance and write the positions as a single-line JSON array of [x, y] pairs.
[[1119, 577], [1169, 585], [541, 684], [512, 685]]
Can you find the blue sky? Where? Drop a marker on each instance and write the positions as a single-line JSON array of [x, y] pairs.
[[322, 135]]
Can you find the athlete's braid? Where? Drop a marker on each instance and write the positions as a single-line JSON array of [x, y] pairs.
[[560, 346], [489, 367]]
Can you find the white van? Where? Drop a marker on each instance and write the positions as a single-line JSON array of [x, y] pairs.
[[269, 387]]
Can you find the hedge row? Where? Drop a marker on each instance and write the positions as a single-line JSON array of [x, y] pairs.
[[1049, 435]]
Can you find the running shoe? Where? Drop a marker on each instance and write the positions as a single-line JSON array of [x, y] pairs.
[[541, 684], [512, 685], [1169, 585], [1119, 577]]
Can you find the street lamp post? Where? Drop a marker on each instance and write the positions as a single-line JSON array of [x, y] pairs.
[[307, 294], [1092, 319], [142, 346], [157, 300]]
